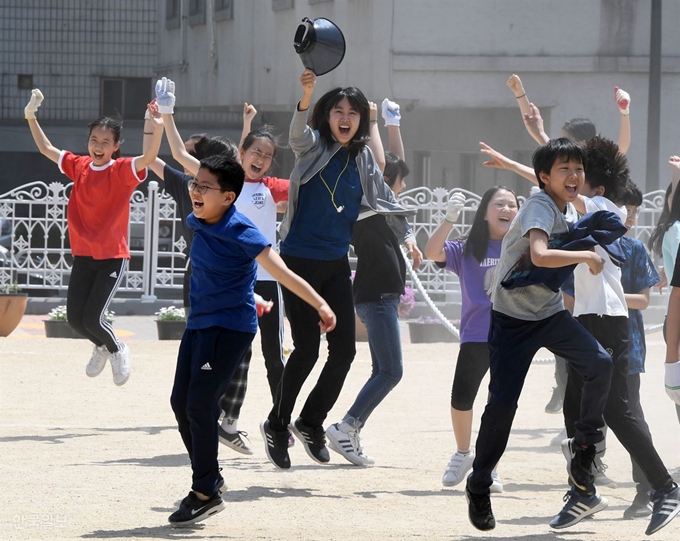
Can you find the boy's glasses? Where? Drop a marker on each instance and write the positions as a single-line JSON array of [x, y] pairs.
[[200, 188]]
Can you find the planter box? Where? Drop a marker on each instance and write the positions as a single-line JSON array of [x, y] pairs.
[[424, 333], [60, 329], [171, 330], [12, 308]]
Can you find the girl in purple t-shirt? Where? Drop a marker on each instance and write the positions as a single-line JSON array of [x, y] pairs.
[[473, 259]]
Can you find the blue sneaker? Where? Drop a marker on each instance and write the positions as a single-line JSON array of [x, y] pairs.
[[577, 508], [666, 507]]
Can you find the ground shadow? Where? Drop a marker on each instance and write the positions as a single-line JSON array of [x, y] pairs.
[[59, 438], [56, 438], [154, 532], [161, 461], [255, 493]]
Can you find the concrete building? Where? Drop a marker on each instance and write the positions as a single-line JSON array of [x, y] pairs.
[[445, 61]]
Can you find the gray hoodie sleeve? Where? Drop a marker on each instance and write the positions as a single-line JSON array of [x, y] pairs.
[[301, 137]]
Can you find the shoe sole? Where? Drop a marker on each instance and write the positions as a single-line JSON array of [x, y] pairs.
[[119, 383], [198, 518], [237, 448], [591, 511], [302, 439], [266, 447], [335, 446], [567, 454]]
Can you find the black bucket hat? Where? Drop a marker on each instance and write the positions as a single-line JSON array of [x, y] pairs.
[[320, 44]]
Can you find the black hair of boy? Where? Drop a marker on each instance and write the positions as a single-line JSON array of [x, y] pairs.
[[580, 129], [394, 168], [546, 155], [229, 173], [356, 98], [632, 195], [607, 167], [210, 146]]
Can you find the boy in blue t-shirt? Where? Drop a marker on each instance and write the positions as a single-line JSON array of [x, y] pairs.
[[524, 319], [222, 321]]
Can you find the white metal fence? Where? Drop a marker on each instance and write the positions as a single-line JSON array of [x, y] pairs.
[[37, 257]]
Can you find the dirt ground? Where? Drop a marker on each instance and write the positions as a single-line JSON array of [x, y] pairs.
[[83, 459]]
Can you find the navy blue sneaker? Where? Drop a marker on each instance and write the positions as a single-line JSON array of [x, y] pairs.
[[313, 439], [275, 445], [577, 508], [666, 507]]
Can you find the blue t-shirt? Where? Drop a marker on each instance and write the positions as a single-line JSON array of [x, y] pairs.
[[318, 230], [637, 273], [224, 272]]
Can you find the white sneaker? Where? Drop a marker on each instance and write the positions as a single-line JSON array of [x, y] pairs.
[[97, 361], [557, 440], [348, 445], [120, 364], [496, 483], [457, 467]]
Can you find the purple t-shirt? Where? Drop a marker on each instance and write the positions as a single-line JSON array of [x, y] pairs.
[[475, 282]]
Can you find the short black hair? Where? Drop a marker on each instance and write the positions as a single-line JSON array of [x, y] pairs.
[[546, 155], [607, 167], [631, 195], [356, 98], [229, 173], [210, 146], [580, 129], [394, 167]]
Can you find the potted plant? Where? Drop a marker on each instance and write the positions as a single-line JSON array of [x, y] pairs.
[[171, 323], [57, 326], [428, 329], [12, 307]]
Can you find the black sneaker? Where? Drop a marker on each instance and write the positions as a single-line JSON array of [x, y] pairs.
[[193, 510], [666, 507], [577, 508], [479, 511], [313, 439], [275, 445], [579, 465], [640, 508], [555, 404], [221, 485]]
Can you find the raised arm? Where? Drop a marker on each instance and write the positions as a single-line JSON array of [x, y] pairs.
[[500, 161], [165, 100], [249, 113], [375, 142], [275, 266], [623, 101], [514, 83], [42, 142], [391, 114], [151, 143], [158, 165], [434, 249]]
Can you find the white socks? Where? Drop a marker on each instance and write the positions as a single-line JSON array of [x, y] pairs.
[[230, 426]]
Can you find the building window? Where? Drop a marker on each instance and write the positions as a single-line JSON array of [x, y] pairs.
[[421, 171], [224, 9], [280, 5], [196, 12], [25, 82], [172, 14], [125, 98]]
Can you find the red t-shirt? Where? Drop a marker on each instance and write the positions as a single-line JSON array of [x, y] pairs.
[[277, 186], [99, 207]]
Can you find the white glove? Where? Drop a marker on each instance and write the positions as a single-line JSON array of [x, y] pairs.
[[165, 96], [391, 113], [32, 107], [262, 306], [454, 207], [672, 381], [622, 100]]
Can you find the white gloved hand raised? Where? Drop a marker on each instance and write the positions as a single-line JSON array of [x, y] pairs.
[[391, 113], [622, 100], [672, 381], [32, 107], [454, 207], [165, 96]]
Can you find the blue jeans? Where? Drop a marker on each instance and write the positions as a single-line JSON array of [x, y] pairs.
[[384, 340]]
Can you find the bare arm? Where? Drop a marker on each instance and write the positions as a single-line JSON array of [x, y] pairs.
[[308, 82], [150, 148], [180, 153], [375, 141], [42, 142], [434, 249], [622, 99], [500, 161], [673, 326], [514, 83], [275, 266], [249, 113], [542, 256], [638, 301], [158, 165]]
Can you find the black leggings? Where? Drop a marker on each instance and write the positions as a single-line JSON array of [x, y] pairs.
[[91, 288], [471, 367]]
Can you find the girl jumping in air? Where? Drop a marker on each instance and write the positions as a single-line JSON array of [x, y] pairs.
[[98, 215]]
